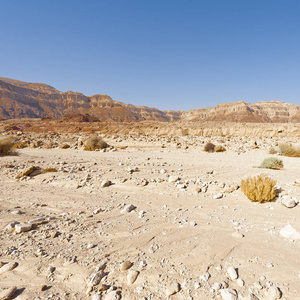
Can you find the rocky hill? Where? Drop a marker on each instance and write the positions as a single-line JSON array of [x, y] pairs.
[[20, 99]]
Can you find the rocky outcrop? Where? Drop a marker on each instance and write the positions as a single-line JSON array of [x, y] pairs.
[[34, 100]]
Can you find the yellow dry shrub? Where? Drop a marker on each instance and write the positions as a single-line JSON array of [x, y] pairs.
[[6, 146], [259, 188]]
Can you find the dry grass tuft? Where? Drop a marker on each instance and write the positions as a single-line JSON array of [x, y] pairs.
[[272, 163], [94, 142], [20, 145], [6, 146], [289, 150], [48, 170], [209, 147], [260, 188], [220, 148], [272, 151]]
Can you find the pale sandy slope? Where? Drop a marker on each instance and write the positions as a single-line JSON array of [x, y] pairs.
[[192, 232]]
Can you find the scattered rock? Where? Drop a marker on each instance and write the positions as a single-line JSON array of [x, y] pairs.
[[204, 277], [126, 265], [113, 295], [19, 228], [105, 183], [8, 267], [95, 278], [237, 234], [229, 294], [97, 297], [29, 171], [7, 293], [172, 289], [128, 208], [132, 276], [289, 232], [231, 271], [288, 202], [273, 293], [173, 178], [153, 248]]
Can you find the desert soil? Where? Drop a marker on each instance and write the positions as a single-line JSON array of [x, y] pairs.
[[181, 236]]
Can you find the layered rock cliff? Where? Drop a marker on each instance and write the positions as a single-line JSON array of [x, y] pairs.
[[20, 99]]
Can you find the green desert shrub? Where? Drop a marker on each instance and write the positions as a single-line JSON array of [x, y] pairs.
[[289, 150], [209, 147], [94, 142], [220, 148], [259, 188], [272, 163], [6, 146]]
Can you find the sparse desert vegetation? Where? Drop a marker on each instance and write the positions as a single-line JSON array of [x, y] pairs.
[[220, 148], [209, 147], [77, 212], [259, 188], [6, 146], [94, 142], [274, 163], [287, 149]]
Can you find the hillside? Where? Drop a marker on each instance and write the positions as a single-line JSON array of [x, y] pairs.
[[20, 99]]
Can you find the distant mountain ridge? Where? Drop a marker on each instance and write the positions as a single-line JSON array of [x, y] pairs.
[[20, 99]]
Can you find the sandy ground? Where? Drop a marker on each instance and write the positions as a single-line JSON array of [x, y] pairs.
[[174, 234]]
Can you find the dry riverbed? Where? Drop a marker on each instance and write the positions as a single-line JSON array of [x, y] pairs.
[[146, 222]]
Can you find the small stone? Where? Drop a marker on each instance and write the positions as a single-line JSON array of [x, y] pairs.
[[51, 269], [8, 267], [288, 202], [172, 289], [90, 246], [95, 278], [125, 265], [262, 278], [289, 232], [11, 227], [197, 285], [103, 287], [96, 297], [218, 196], [204, 277], [97, 211], [38, 221], [16, 212], [153, 248], [173, 178], [28, 171], [7, 293], [128, 208], [113, 295], [240, 282], [105, 183], [231, 271], [54, 234], [237, 234], [229, 294], [216, 286], [274, 293], [132, 276], [19, 228], [44, 287]]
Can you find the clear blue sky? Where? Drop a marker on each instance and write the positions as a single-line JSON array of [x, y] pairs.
[[168, 54]]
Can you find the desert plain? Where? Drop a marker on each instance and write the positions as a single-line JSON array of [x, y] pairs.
[[150, 217]]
